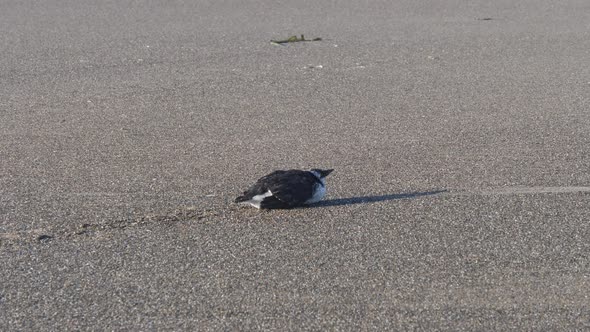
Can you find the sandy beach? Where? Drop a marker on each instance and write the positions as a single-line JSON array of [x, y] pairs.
[[459, 133]]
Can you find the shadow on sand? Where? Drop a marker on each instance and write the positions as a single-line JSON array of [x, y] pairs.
[[372, 199]]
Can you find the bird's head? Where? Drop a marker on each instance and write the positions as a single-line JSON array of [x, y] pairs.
[[321, 173]]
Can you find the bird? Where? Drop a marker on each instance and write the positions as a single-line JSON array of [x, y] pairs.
[[286, 189]]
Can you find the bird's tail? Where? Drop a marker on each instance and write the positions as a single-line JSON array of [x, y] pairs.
[[240, 199]]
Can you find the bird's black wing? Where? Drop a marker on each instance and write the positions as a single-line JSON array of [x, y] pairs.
[[272, 202], [292, 187], [272, 176], [260, 187]]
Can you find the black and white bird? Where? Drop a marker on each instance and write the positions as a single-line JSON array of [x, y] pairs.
[[286, 189]]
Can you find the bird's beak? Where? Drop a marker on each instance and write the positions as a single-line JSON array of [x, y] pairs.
[[326, 172]]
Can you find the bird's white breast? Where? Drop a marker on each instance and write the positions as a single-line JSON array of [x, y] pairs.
[[318, 194]]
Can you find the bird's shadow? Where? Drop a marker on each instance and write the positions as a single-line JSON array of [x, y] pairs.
[[373, 199]]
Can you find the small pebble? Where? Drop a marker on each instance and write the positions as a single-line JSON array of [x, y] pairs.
[[44, 238]]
